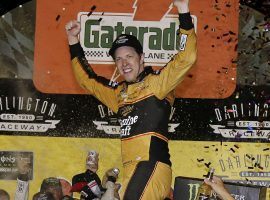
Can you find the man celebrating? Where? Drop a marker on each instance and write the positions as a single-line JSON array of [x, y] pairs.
[[143, 102]]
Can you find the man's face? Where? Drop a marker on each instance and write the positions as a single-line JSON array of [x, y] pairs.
[[4, 197], [129, 63]]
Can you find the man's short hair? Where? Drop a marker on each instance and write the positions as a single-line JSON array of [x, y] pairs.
[[50, 183]]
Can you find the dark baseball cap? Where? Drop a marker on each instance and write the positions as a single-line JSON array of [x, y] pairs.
[[126, 40]]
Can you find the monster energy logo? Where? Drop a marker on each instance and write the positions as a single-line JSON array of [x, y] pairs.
[[193, 191], [159, 39]]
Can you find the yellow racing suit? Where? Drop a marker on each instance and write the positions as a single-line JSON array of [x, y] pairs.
[[144, 108]]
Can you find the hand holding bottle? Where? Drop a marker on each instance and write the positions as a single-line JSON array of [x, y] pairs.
[[218, 186]]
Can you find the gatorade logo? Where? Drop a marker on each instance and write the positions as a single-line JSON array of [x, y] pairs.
[[159, 39]]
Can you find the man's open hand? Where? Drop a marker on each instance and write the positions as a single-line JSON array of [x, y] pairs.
[[182, 5]]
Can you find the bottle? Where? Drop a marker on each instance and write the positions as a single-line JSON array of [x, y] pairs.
[[205, 191], [116, 171]]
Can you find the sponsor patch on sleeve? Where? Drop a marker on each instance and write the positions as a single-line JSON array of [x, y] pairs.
[[183, 41]]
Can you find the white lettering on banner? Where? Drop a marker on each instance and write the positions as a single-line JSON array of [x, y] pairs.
[[238, 197], [241, 133], [28, 127], [17, 117], [232, 127], [34, 112], [253, 124], [27, 104], [108, 129], [242, 110], [9, 159]]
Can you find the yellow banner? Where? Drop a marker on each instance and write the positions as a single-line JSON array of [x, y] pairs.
[[65, 157]]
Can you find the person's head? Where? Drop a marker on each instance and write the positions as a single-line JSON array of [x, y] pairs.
[[66, 186], [92, 160], [52, 185], [4, 195], [127, 53], [43, 196]]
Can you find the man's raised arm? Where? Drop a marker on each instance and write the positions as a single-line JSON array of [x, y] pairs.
[[86, 77], [174, 72]]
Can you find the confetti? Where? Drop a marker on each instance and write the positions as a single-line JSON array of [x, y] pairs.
[[232, 150], [57, 18], [207, 164], [92, 9], [232, 33], [236, 146], [205, 27], [200, 160], [235, 48], [266, 149], [206, 147], [248, 156]]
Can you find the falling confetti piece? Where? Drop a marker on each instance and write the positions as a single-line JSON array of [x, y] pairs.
[[267, 149], [260, 167], [207, 164], [236, 146], [57, 18], [200, 160], [92, 9], [232, 33], [232, 150]]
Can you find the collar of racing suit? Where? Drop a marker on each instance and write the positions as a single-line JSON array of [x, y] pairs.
[[147, 70]]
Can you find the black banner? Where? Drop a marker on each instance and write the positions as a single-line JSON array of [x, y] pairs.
[[13, 163]]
